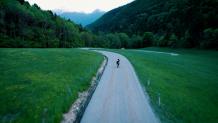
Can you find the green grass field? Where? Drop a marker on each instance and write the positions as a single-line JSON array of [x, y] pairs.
[[187, 83], [38, 85]]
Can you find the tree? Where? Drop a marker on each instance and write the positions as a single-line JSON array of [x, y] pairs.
[[173, 41], [124, 39], [21, 1], [114, 40], [135, 41], [210, 38], [148, 39], [88, 38], [102, 41], [185, 40], [2, 22]]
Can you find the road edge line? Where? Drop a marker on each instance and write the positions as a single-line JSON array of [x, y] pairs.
[[75, 113]]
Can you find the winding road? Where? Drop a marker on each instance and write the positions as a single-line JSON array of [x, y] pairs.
[[119, 97]]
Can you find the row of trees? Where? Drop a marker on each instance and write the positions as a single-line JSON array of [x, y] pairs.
[[147, 39], [112, 40], [209, 40]]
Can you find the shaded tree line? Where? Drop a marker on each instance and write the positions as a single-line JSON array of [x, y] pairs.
[[111, 40]]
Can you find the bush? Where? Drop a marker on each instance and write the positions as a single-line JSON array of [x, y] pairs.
[[210, 39], [160, 41]]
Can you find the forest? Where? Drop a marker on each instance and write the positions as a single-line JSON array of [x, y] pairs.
[[23, 25], [142, 23], [165, 23]]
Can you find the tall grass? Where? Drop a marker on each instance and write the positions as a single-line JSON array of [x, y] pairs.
[[39, 85]]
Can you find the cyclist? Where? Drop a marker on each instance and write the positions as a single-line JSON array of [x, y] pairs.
[[118, 62]]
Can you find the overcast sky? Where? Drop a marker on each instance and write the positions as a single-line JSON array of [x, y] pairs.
[[86, 6]]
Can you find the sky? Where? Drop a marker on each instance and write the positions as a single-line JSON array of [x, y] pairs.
[[86, 6]]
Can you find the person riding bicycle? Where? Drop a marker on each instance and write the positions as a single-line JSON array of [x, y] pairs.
[[118, 62]]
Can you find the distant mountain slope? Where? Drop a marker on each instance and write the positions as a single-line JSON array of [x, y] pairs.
[[184, 18], [121, 18], [82, 18]]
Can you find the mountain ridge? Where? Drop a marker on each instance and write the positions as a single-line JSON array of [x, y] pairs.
[[81, 17]]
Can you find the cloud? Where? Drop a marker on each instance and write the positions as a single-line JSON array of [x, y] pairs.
[[79, 5]]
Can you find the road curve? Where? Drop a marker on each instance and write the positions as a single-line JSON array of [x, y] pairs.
[[119, 97]]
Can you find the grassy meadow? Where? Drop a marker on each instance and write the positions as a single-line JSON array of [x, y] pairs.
[[38, 85], [187, 83]]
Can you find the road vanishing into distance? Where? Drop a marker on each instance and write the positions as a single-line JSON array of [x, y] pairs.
[[119, 97]]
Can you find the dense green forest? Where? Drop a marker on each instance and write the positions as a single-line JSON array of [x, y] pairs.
[[166, 23], [142, 23], [23, 25]]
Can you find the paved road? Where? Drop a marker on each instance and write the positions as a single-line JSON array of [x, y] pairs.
[[119, 98]]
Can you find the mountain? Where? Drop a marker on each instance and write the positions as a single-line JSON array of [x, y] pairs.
[[82, 18], [188, 20]]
